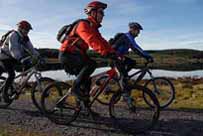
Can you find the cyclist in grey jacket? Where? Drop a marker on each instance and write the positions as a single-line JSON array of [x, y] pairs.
[[15, 48]]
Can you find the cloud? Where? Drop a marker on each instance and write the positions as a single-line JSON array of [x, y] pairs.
[[4, 28], [161, 28], [10, 2], [44, 40], [184, 1]]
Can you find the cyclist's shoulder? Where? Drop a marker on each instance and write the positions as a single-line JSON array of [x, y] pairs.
[[15, 34], [83, 22]]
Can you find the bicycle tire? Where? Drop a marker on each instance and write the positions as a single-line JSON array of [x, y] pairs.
[[59, 114], [3, 104], [105, 96], [134, 121], [36, 91], [165, 92]]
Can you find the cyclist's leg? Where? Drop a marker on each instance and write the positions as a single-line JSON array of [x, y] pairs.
[[126, 66], [80, 67], [129, 63], [83, 80], [9, 68]]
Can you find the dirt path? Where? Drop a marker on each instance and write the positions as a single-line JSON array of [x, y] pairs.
[[22, 118]]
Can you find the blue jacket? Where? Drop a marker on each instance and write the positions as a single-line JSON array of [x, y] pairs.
[[126, 42]]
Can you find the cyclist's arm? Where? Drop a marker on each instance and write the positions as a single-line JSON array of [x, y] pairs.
[[136, 48], [32, 49], [93, 38]]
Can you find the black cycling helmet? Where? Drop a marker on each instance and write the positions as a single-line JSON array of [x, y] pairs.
[[135, 25]]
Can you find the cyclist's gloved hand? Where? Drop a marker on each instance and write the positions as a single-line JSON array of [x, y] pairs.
[[35, 59], [42, 61], [26, 62], [112, 56], [150, 59]]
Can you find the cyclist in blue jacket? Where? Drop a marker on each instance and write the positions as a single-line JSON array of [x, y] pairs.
[[122, 43], [126, 41]]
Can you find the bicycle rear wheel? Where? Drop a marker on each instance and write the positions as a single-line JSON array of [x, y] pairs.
[[163, 89], [57, 109], [6, 95], [37, 90], [137, 116]]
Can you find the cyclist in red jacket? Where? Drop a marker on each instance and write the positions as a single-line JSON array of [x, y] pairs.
[[73, 51]]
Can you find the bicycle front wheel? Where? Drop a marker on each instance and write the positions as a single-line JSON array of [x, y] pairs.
[[110, 88], [163, 89], [133, 115], [37, 90], [59, 104]]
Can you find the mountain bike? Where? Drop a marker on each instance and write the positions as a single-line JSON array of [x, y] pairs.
[[160, 86], [62, 106], [19, 86]]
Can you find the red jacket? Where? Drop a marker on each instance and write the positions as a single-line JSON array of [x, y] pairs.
[[88, 36]]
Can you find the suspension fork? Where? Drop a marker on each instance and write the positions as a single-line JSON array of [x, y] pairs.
[[38, 76], [153, 82], [61, 100]]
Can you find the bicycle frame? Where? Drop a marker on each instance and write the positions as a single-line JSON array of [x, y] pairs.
[[113, 73], [27, 74], [142, 72]]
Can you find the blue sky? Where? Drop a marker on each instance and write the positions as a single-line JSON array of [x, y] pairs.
[[168, 24]]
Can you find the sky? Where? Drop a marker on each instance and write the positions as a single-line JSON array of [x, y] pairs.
[[168, 24]]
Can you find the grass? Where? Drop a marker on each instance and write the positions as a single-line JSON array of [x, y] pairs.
[[189, 93], [11, 130], [3, 132]]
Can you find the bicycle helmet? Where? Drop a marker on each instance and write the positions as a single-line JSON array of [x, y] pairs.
[[24, 25], [94, 5], [135, 25]]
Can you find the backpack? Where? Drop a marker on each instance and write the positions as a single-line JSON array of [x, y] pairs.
[[3, 38], [113, 40], [66, 29]]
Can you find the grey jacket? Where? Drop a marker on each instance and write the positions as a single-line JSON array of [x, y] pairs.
[[13, 47]]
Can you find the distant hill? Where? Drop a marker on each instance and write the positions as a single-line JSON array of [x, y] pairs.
[[53, 53], [172, 59]]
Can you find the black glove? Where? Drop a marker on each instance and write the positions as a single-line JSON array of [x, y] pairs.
[[42, 61], [150, 59], [112, 56], [26, 62]]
